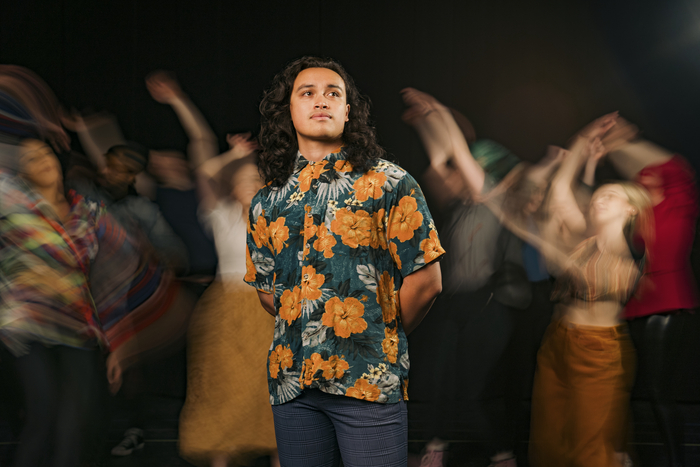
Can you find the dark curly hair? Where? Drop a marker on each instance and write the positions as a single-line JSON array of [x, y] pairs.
[[278, 139]]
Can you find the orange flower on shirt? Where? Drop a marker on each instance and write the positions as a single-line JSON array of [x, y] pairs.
[[369, 186], [311, 283], [353, 227], [404, 219], [336, 368], [364, 390], [290, 305], [345, 317], [377, 233], [261, 234], [281, 357], [325, 241], [343, 166], [249, 267], [274, 364], [286, 356], [309, 173], [311, 366], [431, 247], [390, 344], [393, 251], [309, 227], [386, 297], [279, 233]]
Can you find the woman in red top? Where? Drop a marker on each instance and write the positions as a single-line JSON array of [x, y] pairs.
[[659, 311]]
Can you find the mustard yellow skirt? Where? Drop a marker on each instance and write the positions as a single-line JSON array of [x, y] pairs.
[[227, 410]]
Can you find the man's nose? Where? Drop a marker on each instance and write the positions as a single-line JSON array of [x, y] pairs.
[[321, 104]]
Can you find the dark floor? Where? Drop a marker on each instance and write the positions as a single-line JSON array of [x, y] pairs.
[[161, 440]]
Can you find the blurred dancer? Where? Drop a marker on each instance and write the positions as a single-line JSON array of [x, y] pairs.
[[585, 365], [229, 332], [49, 237], [155, 315], [660, 315], [487, 269], [337, 240]]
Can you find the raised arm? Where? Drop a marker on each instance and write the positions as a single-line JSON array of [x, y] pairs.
[[443, 139], [566, 219], [203, 144], [208, 175], [628, 154], [97, 133]]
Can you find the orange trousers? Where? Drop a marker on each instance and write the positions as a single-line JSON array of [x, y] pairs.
[[580, 399]]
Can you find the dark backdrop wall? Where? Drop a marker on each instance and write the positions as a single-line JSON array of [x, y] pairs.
[[527, 73]]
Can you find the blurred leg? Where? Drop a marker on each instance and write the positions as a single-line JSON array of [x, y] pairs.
[[37, 373], [550, 401], [76, 373]]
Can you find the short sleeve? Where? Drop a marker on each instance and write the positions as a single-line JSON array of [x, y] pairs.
[[412, 238], [260, 260]]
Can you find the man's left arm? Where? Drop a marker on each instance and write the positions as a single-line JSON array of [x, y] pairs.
[[417, 294]]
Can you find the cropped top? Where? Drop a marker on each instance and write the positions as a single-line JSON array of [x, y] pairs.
[[592, 275]]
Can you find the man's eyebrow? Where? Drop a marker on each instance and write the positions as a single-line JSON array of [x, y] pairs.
[[306, 86]]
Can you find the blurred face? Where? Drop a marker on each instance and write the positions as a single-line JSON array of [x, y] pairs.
[[120, 172], [318, 105], [610, 204], [536, 196], [168, 168], [38, 164]]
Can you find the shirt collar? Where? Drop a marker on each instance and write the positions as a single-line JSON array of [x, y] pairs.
[[337, 155]]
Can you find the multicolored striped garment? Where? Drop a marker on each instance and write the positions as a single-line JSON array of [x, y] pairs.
[[44, 267]]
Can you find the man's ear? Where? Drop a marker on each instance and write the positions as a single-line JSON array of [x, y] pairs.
[[347, 112]]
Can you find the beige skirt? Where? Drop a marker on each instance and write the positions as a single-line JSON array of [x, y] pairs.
[[227, 409]]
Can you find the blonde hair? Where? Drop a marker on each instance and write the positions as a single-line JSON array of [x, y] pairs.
[[641, 222]]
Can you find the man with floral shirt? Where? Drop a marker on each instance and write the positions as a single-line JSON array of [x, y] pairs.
[[342, 250]]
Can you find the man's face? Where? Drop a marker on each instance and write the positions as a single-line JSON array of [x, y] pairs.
[[318, 105]]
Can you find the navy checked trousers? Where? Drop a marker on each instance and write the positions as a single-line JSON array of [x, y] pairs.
[[317, 429]]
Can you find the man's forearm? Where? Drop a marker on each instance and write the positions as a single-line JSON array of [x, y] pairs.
[[267, 300], [418, 292]]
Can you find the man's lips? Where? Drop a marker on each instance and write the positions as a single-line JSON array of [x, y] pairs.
[[321, 116]]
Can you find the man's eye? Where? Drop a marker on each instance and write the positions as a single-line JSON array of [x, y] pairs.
[[333, 93], [306, 93]]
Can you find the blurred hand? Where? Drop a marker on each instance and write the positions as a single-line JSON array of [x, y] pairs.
[[114, 373], [598, 127], [595, 150], [622, 133], [419, 105], [163, 87], [241, 144], [73, 121]]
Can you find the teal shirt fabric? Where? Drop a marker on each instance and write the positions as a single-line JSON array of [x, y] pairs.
[[333, 245]]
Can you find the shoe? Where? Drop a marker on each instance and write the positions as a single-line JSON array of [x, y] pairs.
[[435, 454], [133, 441]]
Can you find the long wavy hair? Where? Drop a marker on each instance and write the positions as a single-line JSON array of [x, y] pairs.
[[278, 138]]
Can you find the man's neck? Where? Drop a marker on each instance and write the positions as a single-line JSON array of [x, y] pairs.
[[315, 151]]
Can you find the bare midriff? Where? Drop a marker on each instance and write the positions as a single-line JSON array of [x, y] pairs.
[[604, 313]]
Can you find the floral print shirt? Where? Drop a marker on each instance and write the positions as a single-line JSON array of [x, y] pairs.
[[333, 245]]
